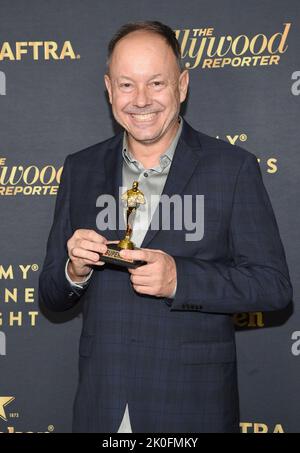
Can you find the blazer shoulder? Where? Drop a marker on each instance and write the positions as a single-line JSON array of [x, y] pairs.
[[95, 151], [223, 148]]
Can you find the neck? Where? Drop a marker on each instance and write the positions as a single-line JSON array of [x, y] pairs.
[[149, 153]]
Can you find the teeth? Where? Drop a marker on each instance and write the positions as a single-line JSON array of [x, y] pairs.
[[144, 117]]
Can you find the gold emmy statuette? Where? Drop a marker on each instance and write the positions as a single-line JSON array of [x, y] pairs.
[[132, 198]]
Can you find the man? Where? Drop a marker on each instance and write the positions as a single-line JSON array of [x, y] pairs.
[[157, 350]]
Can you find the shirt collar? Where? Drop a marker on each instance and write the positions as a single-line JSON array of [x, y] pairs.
[[165, 158]]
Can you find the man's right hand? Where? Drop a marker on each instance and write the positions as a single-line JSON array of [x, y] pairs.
[[85, 248]]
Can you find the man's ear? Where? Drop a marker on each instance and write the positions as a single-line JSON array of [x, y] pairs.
[[107, 82], [183, 84]]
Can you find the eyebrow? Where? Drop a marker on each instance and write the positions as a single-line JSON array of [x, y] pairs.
[[151, 78]]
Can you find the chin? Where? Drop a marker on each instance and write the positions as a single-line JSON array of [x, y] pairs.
[[143, 135], [151, 138]]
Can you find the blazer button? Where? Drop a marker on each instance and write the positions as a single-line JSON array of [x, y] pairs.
[[71, 294]]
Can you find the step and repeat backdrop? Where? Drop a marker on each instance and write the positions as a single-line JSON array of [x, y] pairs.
[[243, 59]]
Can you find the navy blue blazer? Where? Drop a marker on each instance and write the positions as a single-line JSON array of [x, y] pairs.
[[173, 361]]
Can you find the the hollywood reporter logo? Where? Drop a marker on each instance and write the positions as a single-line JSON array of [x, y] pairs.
[[2, 84]]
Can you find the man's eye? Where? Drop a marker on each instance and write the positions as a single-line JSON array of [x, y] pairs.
[[157, 83], [125, 85]]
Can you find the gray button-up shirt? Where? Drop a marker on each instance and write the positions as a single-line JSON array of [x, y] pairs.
[[151, 183]]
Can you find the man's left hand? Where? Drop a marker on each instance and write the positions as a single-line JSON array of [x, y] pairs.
[[156, 278]]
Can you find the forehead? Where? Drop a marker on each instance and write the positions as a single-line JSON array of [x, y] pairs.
[[142, 53]]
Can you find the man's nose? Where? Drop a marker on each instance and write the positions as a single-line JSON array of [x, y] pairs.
[[142, 98]]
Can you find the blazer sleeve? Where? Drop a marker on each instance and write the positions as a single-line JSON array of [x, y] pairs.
[[55, 292], [255, 277]]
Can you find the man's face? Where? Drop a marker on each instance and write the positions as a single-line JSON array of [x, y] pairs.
[[145, 86]]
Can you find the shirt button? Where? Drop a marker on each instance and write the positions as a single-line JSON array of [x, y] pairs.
[[146, 175]]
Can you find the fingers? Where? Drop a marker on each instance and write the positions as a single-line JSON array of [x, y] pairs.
[[138, 280], [87, 239], [82, 263], [144, 290], [91, 246], [143, 271], [84, 254], [85, 248], [147, 255]]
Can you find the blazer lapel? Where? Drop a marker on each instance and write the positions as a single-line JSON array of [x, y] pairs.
[[185, 160], [113, 181], [184, 163]]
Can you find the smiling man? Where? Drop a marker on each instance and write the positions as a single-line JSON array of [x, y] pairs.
[[157, 350], [146, 92]]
